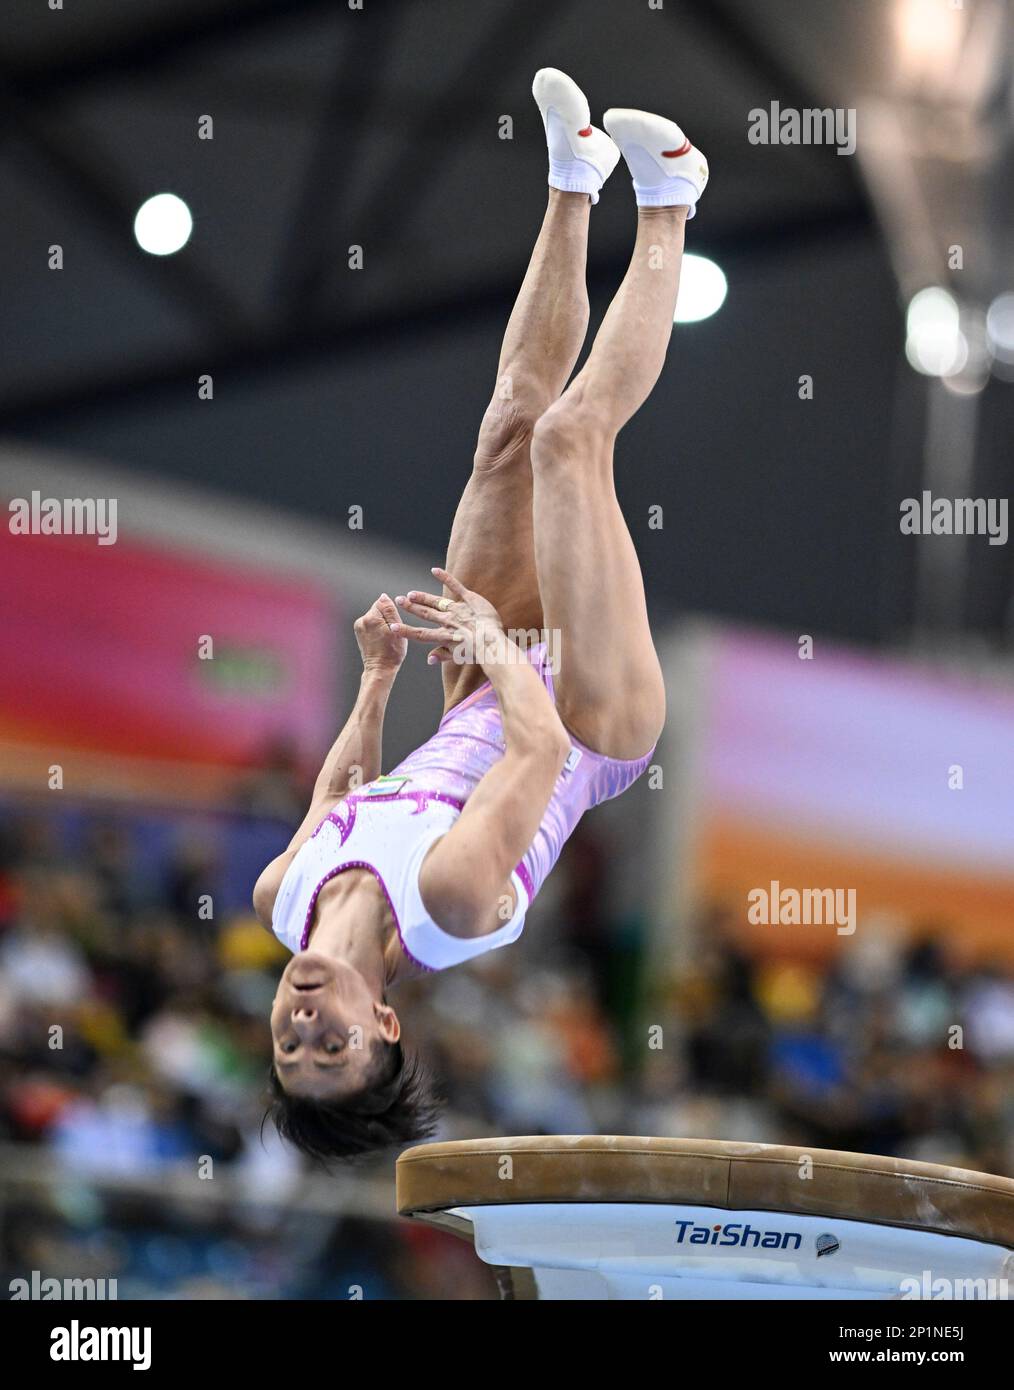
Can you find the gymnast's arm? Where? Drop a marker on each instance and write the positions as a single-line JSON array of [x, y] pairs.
[[357, 749], [469, 868]]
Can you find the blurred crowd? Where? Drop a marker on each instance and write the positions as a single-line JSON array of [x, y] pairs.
[[134, 992]]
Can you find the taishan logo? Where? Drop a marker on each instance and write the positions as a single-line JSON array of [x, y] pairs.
[[736, 1233]]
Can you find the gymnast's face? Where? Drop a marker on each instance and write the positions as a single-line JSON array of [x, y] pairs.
[[325, 1024]]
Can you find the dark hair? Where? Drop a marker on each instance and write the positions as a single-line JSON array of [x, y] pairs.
[[397, 1106]]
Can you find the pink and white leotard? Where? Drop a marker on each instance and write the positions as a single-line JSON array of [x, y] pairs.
[[387, 826]]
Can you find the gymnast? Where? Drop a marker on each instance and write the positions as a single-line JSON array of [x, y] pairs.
[[391, 877]]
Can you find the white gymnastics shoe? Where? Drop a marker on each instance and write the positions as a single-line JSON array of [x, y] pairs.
[[581, 157], [666, 169]]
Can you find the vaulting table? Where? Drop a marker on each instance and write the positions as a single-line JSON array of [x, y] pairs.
[[616, 1217]]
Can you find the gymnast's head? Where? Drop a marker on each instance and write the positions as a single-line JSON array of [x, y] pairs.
[[340, 1084]]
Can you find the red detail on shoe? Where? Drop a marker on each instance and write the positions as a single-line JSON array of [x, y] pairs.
[[587, 131], [675, 154]]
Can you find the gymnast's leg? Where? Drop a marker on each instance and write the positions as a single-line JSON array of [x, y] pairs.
[[491, 546], [610, 691]]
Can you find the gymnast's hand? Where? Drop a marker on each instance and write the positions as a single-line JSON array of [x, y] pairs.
[[468, 628], [381, 646]]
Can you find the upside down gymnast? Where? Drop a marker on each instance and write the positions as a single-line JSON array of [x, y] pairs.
[[390, 877]]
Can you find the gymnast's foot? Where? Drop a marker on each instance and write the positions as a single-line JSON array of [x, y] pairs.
[[667, 170], [581, 157]]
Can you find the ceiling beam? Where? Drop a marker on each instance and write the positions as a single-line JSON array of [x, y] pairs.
[[488, 67], [307, 259]]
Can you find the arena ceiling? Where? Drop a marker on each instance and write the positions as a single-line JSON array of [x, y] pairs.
[[379, 127]]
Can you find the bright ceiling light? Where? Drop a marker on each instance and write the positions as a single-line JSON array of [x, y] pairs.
[[1000, 328], [702, 292], [935, 345], [163, 224], [928, 37]]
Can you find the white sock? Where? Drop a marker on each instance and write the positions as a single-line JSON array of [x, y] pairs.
[[676, 193]]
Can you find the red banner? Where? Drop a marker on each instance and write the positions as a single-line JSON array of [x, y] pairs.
[[131, 649]]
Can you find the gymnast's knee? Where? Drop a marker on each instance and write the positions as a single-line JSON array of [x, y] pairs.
[[508, 423], [574, 429], [643, 725]]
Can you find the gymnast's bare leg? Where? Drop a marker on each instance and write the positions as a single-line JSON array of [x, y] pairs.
[[566, 562], [491, 547]]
